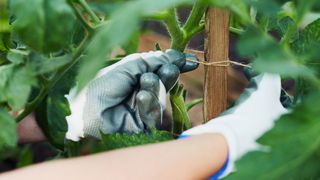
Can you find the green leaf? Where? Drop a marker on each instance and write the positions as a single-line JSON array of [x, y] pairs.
[[43, 25], [5, 44], [288, 30], [116, 141], [306, 46], [293, 147], [276, 62], [181, 120], [132, 45], [117, 32], [43, 64], [5, 41], [4, 17], [16, 56], [158, 47], [25, 157], [265, 7], [15, 85], [309, 41], [8, 135], [51, 113], [106, 8], [193, 103], [303, 7], [269, 55]]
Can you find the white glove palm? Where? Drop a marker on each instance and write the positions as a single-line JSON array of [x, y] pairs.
[[254, 114]]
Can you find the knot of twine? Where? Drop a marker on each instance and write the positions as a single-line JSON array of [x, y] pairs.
[[220, 63]]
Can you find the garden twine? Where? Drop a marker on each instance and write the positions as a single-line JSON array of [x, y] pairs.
[[220, 63]]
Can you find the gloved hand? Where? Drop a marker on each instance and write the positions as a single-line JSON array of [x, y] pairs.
[[128, 96], [253, 114]]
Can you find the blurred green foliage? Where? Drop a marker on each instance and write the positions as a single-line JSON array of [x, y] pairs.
[[116, 141], [291, 149], [46, 46]]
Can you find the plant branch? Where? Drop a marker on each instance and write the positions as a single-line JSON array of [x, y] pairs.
[[160, 16], [194, 103], [87, 8], [195, 16], [180, 117], [48, 85], [195, 31], [236, 30], [80, 17], [174, 29], [33, 104], [179, 40]]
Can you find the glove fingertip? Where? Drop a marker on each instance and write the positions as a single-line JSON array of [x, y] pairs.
[[169, 75], [176, 57]]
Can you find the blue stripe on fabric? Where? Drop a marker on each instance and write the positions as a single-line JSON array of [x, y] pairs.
[[218, 173]]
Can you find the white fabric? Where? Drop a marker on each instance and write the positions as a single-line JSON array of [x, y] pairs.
[[249, 121]]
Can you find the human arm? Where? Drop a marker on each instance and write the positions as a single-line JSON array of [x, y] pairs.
[[28, 130], [253, 114], [197, 157]]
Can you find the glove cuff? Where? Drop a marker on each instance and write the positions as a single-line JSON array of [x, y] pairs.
[[226, 131]]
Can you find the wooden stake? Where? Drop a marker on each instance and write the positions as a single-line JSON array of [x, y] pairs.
[[216, 49]]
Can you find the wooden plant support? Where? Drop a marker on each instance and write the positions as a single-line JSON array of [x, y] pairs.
[[216, 49]]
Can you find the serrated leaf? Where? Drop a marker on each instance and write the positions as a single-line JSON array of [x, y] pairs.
[[116, 141], [269, 55], [15, 85], [8, 135], [51, 114], [16, 56], [293, 145], [265, 7], [308, 42], [44, 26], [288, 29], [43, 64]]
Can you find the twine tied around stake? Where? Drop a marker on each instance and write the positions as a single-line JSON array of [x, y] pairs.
[[219, 63]]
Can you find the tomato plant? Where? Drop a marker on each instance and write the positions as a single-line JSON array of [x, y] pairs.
[[47, 46]]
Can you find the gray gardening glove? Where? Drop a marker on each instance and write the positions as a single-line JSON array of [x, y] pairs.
[[128, 96]]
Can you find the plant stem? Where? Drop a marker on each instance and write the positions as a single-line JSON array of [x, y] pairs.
[[179, 40], [195, 31], [32, 105], [47, 86], [80, 17], [93, 16], [180, 116], [236, 30], [195, 16], [160, 16], [176, 33], [194, 103]]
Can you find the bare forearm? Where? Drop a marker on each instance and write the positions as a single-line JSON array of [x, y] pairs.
[[29, 131], [196, 157]]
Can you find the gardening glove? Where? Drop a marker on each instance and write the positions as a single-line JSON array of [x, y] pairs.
[[254, 113], [128, 96]]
